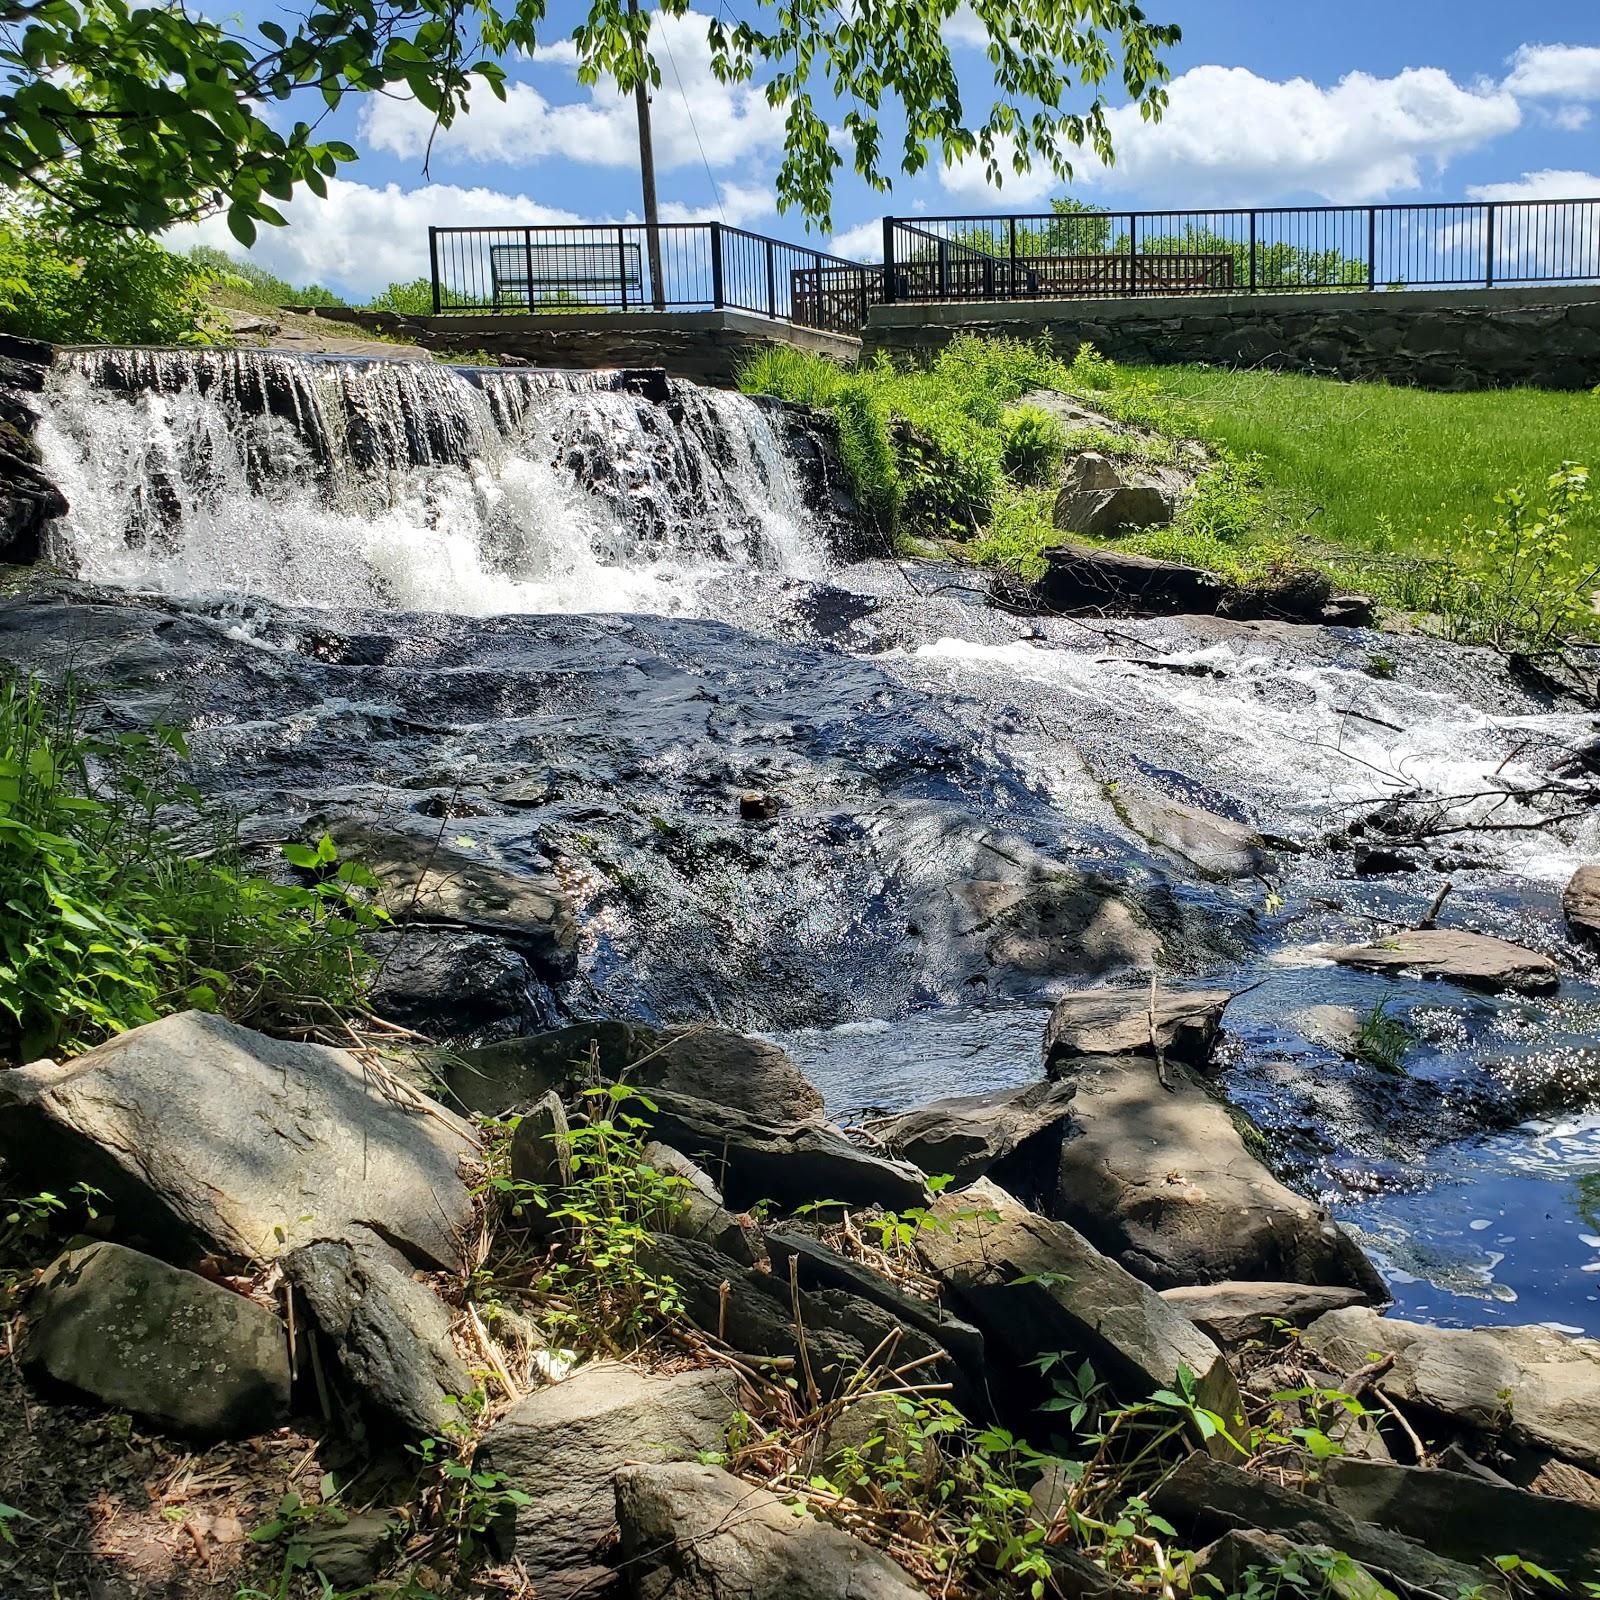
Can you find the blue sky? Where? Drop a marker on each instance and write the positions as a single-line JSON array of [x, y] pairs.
[[1272, 103]]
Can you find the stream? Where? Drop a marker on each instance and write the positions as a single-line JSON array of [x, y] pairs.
[[562, 621]]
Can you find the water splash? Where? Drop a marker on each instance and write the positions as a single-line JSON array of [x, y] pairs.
[[403, 484]]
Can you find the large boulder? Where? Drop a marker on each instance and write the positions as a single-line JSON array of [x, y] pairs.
[[1119, 1022], [1474, 960], [1532, 1384], [563, 1445], [714, 1064], [1208, 1499], [1216, 846], [1158, 1175], [391, 1333], [1465, 1516], [244, 1145], [1233, 1313], [698, 1533], [1012, 1134], [1035, 1286], [171, 1347], [1580, 901]]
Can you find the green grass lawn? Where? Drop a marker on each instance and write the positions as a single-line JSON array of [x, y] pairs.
[[1392, 471]]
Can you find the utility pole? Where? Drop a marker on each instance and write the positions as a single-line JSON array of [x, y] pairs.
[[647, 173]]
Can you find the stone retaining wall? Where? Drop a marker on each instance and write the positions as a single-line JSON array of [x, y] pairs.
[[1448, 339], [707, 346]]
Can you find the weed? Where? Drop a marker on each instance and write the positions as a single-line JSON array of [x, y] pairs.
[[1034, 443], [117, 920], [1382, 1040]]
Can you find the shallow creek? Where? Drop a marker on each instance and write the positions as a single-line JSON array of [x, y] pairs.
[[573, 616]]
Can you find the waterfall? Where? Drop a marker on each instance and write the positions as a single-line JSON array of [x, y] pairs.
[[328, 482]]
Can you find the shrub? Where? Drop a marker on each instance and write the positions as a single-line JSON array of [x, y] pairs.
[[1022, 530], [1035, 443], [413, 299], [1225, 503], [80, 284], [114, 921], [257, 281]]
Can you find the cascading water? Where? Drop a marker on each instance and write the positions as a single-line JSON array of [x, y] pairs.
[[410, 486], [921, 743]]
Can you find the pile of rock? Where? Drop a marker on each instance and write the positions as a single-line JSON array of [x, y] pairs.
[[1112, 1211]]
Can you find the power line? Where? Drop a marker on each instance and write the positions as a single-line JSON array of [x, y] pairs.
[[693, 128]]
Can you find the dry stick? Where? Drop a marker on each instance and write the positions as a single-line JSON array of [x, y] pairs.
[[813, 1393], [491, 1353], [1432, 915], [1400, 1417], [1155, 1040]]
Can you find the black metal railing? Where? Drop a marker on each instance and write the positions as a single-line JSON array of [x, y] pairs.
[[704, 266], [1039, 256], [1066, 255]]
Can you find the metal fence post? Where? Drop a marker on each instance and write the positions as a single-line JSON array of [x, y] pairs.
[[888, 261], [433, 266], [1488, 254], [772, 284], [1372, 247], [527, 261], [716, 265], [1011, 280], [622, 269], [1133, 252], [1252, 252]]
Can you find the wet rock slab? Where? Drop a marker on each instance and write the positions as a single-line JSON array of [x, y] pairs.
[[1474, 960], [1127, 1022]]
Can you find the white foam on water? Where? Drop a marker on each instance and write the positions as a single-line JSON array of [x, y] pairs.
[[402, 485], [1306, 739]]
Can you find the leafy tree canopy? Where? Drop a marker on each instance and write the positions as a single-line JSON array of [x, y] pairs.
[[145, 115]]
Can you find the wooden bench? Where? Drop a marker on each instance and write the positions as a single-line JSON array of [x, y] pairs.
[[525, 274]]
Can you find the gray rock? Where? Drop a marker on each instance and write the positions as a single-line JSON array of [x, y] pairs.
[[1218, 847], [711, 1063], [1081, 578], [1533, 1385], [1244, 1554], [541, 1148], [140, 1336], [793, 1164], [1462, 1516], [1034, 1286], [1235, 1312], [1098, 499], [970, 1136], [1207, 1499], [1335, 1028], [1117, 1022], [698, 1533], [563, 1445], [391, 1333], [426, 879], [1474, 960], [351, 1553], [1161, 1179], [1580, 902], [246, 1145]]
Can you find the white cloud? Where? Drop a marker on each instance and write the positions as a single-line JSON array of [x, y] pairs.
[[563, 53], [963, 28], [692, 112], [361, 238], [1569, 119], [1230, 137], [1550, 184], [1556, 72], [864, 242]]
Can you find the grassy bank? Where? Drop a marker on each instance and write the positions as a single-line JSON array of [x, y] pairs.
[[1467, 508], [1368, 467]]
